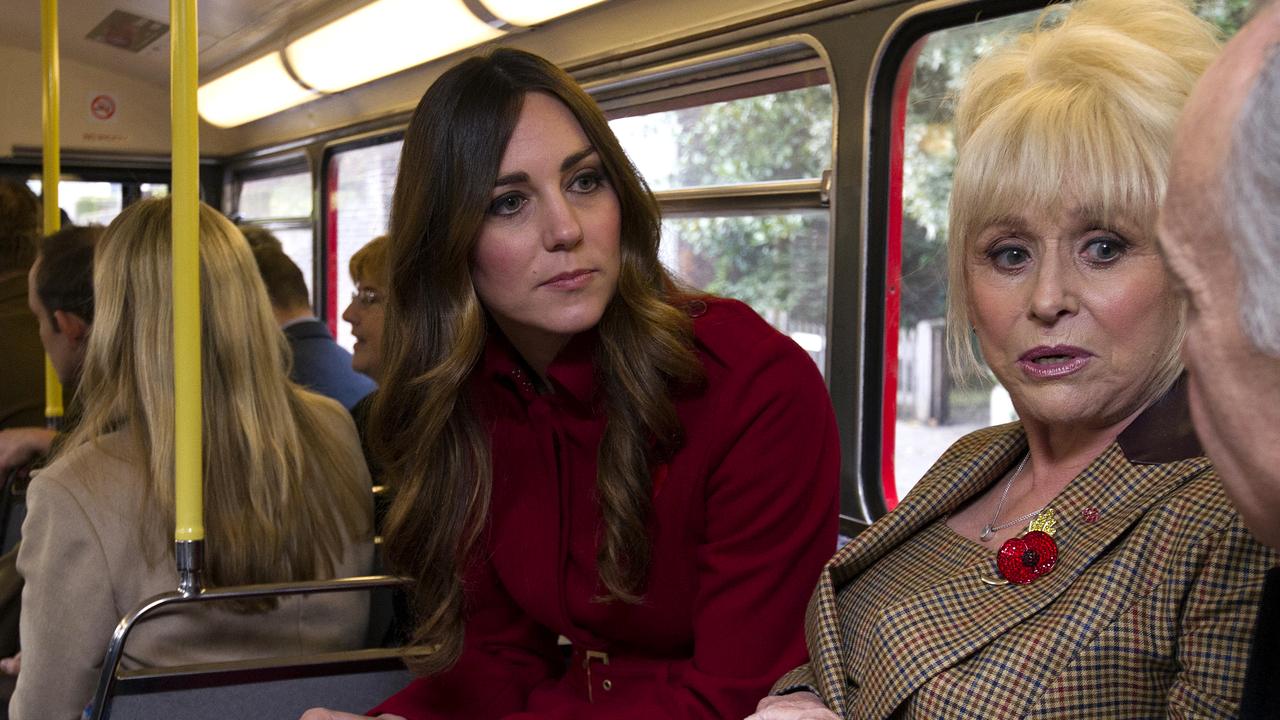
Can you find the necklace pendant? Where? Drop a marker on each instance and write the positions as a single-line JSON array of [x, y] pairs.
[[987, 533]]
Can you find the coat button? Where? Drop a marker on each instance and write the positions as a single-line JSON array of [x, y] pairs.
[[607, 684]]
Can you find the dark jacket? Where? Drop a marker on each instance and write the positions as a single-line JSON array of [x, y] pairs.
[[21, 358], [322, 365], [1262, 684]]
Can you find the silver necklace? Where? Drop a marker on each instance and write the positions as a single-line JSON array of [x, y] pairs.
[[989, 530]]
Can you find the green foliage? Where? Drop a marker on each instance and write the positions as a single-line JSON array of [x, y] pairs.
[[1228, 15], [778, 136], [776, 263]]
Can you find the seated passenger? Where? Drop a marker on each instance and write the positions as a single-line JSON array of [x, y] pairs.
[[285, 488], [319, 363], [259, 237], [60, 295], [365, 313], [1220, 230], [1083, 562], [579, 447], [22, 359]]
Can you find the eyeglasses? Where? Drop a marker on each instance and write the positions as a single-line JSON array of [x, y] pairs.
[[366, 297]]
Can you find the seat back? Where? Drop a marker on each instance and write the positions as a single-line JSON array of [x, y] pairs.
[[353, 681], [283, 688]]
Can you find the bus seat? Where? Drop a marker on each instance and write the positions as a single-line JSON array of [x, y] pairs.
[[282, 688], [352, 680]]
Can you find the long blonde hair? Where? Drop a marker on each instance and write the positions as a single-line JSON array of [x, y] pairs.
[[266, 441], [1081, 109]]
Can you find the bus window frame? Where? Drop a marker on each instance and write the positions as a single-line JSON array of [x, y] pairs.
[[326, 242], [291, 162], [885, 130], [130, 172]]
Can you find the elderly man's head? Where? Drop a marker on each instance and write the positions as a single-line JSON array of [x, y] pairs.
[[1220, 230]]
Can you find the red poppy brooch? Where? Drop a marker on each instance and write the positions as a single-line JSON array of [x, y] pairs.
[[1023, 559]]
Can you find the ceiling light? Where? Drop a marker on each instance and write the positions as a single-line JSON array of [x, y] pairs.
[[258, 89], [382, 38], [532, 12]]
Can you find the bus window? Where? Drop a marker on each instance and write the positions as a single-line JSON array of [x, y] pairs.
[[775, 262], [783, 135], [933, 408], [359, 182], [721, 170], [281, 203], [87, 203], [153, 190]]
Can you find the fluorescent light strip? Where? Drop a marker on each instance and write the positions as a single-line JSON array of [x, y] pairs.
[[532, 12], [258, 89], [382, 38]]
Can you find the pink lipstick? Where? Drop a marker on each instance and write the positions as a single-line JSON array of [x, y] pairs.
[[1049, 363]]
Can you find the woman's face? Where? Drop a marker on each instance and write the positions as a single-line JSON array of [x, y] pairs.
[[365, 313], [1075, 318], [546, 261]]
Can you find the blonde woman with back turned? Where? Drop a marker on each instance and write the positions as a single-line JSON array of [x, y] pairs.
[[1083, 562], [286, 491]]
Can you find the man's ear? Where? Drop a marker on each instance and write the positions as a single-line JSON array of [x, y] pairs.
[[71, 325]]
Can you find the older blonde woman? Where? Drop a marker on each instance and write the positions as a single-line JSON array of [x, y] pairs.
[[286, 491], [1083, 562]]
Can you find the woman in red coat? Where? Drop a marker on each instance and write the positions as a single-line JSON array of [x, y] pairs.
[[580, 448]]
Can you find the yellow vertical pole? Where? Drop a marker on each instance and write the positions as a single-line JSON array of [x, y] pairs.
[[51, 110], [189, 500]]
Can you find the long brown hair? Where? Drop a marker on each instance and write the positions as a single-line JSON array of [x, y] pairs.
[[266, 441], [435, 449]]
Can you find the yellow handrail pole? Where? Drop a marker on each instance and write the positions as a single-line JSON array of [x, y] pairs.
[[51, 110], [188, 497]]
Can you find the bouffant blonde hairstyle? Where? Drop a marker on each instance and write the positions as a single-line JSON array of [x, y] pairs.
[[1081, 110]]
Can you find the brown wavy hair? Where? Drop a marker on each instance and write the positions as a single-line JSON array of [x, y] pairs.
[[434, 445]]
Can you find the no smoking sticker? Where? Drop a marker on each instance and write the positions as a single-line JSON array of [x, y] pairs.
[[102, 107]]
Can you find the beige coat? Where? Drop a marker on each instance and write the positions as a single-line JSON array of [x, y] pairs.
[[85, 569]]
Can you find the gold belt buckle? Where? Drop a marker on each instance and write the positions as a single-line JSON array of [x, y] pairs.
[[588, 657]]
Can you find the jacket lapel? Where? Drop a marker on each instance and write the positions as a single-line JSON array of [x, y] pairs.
[[970, 465]]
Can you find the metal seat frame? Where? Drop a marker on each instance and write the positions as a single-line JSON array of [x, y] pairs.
[[238, 671]]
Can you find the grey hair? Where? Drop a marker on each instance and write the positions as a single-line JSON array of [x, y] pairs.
[[1252, 185]]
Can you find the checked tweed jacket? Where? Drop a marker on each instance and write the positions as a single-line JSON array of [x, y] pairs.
[[1148, 613]]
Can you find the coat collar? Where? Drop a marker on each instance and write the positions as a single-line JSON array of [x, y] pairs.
[[572, 373], [1118, 487], [1163, 432], [306, 328]]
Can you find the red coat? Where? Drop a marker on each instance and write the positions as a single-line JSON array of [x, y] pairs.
[[745, 516]]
